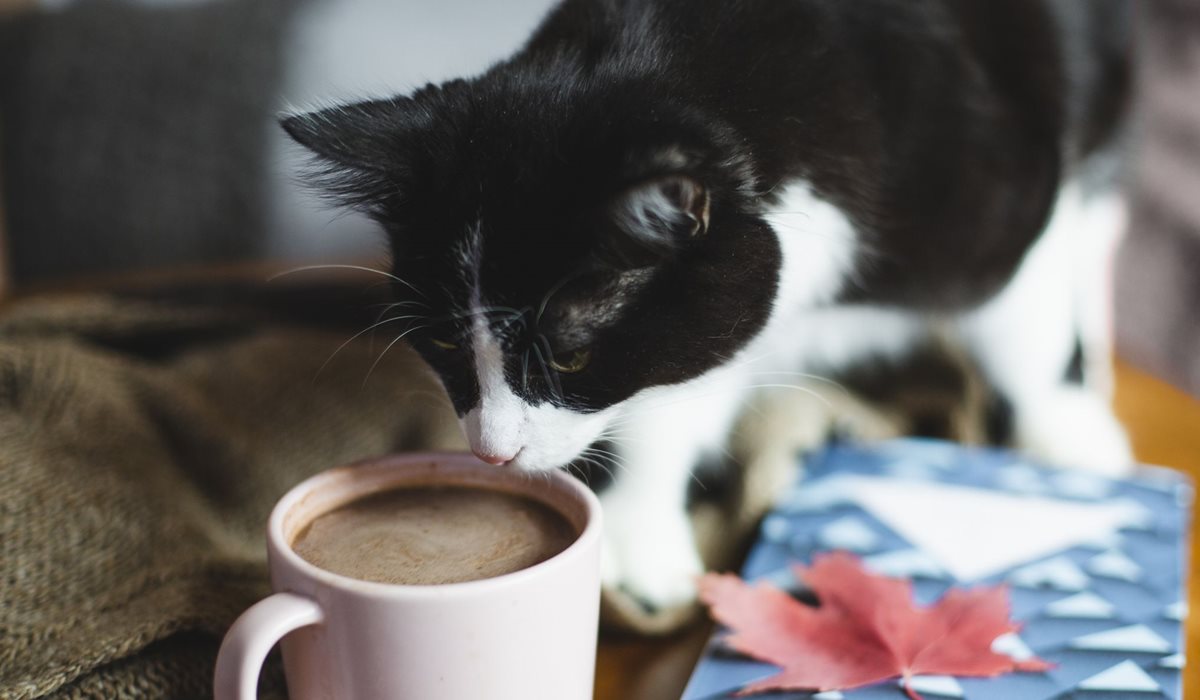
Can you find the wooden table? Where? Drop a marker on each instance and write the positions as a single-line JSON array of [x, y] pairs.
[[1165, 426]]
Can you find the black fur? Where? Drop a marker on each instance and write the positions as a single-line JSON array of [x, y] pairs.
[[942, 128]]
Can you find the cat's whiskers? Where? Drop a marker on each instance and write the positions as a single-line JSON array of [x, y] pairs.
[[783, 373], [626, 420], [552, 380], [525, 370], [597, 457], [379, 359], [384, 312], [804, 375], [441, 397], [593, 449], [360, 268], [517, 316], [574, 469], [357, 335], [590, 460], [552, 291]]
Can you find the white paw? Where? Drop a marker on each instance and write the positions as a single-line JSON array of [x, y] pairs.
[[651, 557], [1074, 427]]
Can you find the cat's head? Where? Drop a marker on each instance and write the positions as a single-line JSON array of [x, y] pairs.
[[559, 250]]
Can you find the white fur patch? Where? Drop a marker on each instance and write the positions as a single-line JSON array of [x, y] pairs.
[[818, 243], [497, 425], [819, 246]]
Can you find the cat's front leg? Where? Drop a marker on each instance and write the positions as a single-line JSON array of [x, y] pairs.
[[650, 553], [1024, 338]]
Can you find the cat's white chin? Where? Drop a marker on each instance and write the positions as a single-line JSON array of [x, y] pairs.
[[534, 459], [542, 462]]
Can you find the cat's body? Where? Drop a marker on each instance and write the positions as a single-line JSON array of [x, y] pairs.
[[622, 230]]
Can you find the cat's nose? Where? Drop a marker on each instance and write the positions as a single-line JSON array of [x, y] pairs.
[[492, 458]]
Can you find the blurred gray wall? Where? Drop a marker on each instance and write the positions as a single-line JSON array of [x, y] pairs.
[[140, 133]]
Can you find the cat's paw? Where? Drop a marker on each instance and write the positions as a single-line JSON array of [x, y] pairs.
[[1074, 427], [652, 560]]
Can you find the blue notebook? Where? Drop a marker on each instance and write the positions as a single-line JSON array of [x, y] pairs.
[[1095, 567]]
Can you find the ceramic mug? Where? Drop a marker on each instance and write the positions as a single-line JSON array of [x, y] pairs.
[[530, 634]]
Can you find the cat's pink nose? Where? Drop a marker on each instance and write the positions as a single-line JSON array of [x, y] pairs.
[[496, 459]]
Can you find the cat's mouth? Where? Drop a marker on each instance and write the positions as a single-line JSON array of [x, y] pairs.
[[532, 445]]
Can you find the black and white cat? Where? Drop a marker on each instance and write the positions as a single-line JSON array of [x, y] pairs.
[[612, 234]]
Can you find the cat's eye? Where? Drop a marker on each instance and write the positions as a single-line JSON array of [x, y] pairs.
[[442, 344], [571, 362]]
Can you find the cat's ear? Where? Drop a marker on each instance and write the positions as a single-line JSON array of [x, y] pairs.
[[661, 215], [364, 135], [366, 152]]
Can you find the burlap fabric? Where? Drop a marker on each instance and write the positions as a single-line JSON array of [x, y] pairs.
[[141, 448], [143, 443]]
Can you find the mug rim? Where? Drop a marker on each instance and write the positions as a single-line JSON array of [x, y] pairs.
[[281, 552]]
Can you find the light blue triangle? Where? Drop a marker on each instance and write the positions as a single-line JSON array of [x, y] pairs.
[[1081, 485], [942, 686], [1126, 676], [1176, 611], [1059, 573], [1086, 605], [905, 563], [1175, 661], [849, 533], [1114, 564], [1134, 638], [1012, 646]]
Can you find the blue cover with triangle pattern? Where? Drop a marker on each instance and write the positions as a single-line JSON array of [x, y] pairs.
[[1108, 613]]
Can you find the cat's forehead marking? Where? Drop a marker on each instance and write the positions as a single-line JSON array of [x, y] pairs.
[[470, 258]]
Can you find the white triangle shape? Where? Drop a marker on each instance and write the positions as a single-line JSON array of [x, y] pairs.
[[1175, 661], [1084, 605], [989, 532], [1012, 646], [1059, 573], [1133, 515], [943, 686], [1125, 676], [1082, 485], [849, 533], [1115, 565], [905, 563], [1134, 638], [818, 496], [1104, 541], [1176, 611]]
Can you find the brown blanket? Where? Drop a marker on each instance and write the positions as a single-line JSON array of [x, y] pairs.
[[141, 448], [143, 443]]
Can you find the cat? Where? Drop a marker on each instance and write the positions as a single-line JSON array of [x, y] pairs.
[[615, 233]]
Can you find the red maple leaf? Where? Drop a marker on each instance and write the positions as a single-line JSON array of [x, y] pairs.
[[866, 630]]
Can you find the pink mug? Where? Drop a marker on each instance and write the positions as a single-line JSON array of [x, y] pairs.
[[526, 635]]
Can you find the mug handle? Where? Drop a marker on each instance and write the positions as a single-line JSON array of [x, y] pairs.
[[250, 639]]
